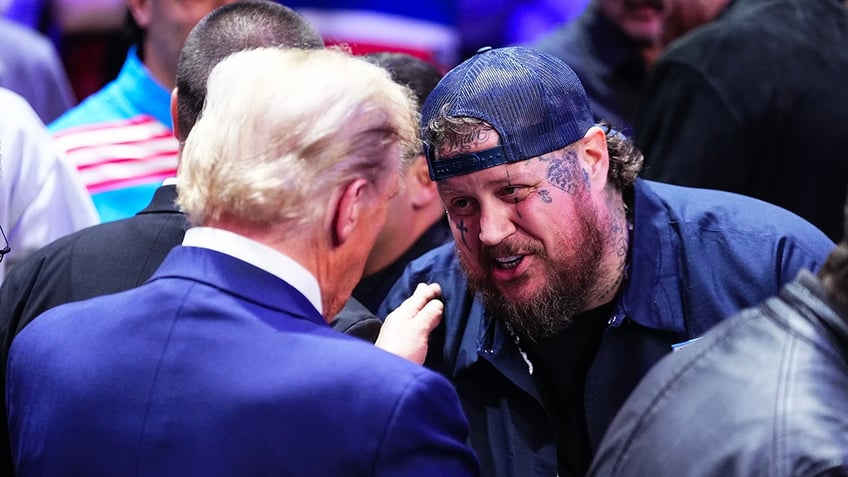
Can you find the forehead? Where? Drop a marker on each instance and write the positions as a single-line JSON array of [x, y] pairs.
[[478, 139], [528, 172]]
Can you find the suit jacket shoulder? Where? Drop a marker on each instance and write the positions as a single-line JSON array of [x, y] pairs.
[[215, 354]]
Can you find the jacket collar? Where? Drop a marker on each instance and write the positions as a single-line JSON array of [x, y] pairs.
[[652, 295], [237, 278], [164, 201]]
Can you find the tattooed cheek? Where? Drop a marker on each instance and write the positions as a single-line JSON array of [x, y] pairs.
[[562, 174], [462, 232], [545, 195]]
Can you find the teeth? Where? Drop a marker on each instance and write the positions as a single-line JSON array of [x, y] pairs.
[[508, 262]]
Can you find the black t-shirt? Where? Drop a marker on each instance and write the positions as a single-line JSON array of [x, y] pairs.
[[561, 364]]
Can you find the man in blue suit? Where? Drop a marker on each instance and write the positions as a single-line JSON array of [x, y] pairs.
[[223, 363], [119, 255]]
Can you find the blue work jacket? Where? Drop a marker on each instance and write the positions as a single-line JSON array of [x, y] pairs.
[[697, 256]]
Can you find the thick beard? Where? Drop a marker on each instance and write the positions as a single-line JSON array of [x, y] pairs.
[[566, 292]]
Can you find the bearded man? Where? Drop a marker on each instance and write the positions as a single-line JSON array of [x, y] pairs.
[[569, 277]]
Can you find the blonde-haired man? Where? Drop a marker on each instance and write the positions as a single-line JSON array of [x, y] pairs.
[[223, 363]]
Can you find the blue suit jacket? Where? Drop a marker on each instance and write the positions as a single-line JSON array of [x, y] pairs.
[[215, 367]]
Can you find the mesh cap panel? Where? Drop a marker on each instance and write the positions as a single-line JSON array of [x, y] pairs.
[[533, 100]]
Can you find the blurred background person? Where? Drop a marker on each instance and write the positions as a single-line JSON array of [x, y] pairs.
[[748, 101], [42, 195], [415, 220], [30, 66], [611, 47], [121, 137]]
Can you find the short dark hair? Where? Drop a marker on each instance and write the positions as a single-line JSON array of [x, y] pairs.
[[226, 30], [416, 74]]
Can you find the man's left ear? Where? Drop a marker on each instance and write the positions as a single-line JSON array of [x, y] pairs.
[[596, 156], [349, 205]]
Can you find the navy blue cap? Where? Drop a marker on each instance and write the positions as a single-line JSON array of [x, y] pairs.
[[533, 100]]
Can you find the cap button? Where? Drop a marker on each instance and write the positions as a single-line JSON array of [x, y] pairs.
[[484, 49]]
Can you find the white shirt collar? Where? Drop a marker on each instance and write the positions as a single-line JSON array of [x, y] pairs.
[[258, 255]]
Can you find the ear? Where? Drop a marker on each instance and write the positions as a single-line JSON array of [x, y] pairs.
[[140, 10], [175, 114], [596, 156], [348, 207], [423, 190]]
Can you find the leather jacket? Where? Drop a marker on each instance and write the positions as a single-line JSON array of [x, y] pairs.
[[763, 393]]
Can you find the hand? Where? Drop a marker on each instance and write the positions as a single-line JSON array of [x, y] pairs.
[[406, 331]]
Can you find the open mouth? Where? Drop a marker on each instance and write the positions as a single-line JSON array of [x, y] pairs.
[[508, 263], [656, 5], [509, 268]]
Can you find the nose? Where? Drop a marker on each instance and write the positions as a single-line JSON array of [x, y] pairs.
[[495, 224]]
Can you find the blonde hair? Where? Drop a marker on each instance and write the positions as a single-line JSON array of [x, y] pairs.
[[281, 130]]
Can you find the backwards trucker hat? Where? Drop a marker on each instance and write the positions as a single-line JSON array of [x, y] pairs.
[[533, 100]]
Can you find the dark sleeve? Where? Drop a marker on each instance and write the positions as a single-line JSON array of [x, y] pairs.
[[356, 320], [15, 313], [690, 133], [400, 291], [21, 300]]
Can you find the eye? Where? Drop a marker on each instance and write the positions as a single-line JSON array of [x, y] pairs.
[[514, 193], [462, 206]]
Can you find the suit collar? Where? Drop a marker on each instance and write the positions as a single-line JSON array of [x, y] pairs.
[[259, 255], [237, 278]]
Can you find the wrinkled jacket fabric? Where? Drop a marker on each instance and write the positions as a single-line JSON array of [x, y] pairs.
[[697, 256], [763, 393]]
